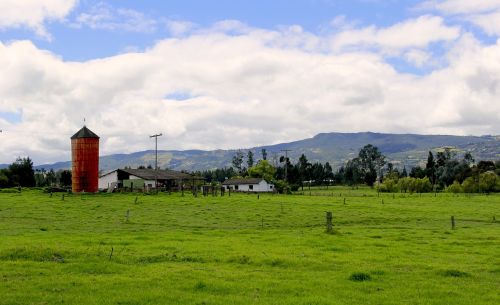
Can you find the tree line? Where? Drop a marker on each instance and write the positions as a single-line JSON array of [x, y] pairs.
[[21, 173], [443, 171]]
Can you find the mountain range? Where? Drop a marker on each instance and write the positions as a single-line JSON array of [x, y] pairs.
[[337, 148]]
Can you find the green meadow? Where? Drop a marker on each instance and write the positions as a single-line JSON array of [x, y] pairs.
[[244, 249]]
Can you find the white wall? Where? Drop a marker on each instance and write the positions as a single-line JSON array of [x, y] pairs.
[[263, 186], [106, 180]]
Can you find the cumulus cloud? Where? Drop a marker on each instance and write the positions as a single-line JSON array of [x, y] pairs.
[[33, 14], [241, 87], [419, 32], [483, 13]]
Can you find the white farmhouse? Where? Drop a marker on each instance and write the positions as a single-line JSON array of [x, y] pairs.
[[248, 185]]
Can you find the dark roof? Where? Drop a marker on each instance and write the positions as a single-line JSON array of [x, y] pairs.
[[243, 181], [161, 174], [84, 133]]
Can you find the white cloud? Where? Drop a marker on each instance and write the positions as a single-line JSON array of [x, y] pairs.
[[483, 13], [254, 87], [413, 33], [105, 17], [461, 6], [33, 13], [490, 23]]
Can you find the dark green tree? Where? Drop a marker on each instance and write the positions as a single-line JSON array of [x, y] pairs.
[[65, 178], [250, 160], [430, 168], [21, 173], [264, 154], [370, 161]]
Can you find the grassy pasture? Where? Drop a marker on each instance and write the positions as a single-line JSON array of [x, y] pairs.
[[244, 250]]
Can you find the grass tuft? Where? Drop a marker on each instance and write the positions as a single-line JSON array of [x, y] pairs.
[[455, 273], [360, 277]]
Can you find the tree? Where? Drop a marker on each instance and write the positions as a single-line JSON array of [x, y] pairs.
[[264, 154], [303, 167], [4, 178], [250, 159], [328, 172], [370, 161], [430, 168], [65, 178], [263, 169], [238, 161], [21, 173]]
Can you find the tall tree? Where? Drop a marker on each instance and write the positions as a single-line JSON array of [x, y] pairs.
[[304, 168], [371, 161], [430, 168], [264, 154], [238, 162], [250, 159]]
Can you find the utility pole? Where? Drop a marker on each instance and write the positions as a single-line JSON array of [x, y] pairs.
[[156, 159], [286, 163]]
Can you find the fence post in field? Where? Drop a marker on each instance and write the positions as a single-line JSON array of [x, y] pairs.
[[329, 222], [344, 200], [62, 197], [453, 222]]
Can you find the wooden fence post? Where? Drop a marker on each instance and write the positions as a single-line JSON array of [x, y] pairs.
[[453, 222], [329, 222]]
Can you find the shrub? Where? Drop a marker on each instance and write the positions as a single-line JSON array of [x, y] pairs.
[[455, 188]]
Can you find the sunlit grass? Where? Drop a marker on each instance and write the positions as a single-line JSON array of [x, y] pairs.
[[242, 250]]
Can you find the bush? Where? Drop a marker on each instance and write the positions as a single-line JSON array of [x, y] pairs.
[[455, 188], [388, 186]]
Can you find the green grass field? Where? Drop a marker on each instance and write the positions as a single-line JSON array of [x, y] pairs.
[[244, 250]]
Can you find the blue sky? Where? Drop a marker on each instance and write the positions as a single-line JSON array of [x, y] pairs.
[[236, 74], [313, 15]]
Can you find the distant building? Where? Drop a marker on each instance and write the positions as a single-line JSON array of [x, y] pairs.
[[144, 178], [248, 185]]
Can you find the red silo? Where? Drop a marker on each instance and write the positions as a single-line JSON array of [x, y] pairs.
[[85, 161]]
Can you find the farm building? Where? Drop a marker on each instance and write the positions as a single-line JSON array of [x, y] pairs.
[[144, 179], [248, 185], [85, 161]]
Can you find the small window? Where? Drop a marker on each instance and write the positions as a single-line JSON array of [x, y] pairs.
[[271, 187], [250, 187], [236, 187]]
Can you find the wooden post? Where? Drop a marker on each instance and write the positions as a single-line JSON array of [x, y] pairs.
[[344, 200], [62, 197], [111, 254], [229, 192], [258, 196], [128, 214], [453, 222], [329, 222], [135, 201]]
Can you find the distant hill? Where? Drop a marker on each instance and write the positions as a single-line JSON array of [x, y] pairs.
[[401, 149]]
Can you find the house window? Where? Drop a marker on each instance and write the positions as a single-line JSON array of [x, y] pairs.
[[250, 187], [236, 187], [271, 187]]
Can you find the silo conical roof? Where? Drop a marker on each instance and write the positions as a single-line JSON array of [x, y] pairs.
[[84, 133]]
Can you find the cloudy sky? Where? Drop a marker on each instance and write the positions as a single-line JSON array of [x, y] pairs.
[[240, 73]]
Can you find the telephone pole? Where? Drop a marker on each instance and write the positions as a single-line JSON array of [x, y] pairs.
[[156, 159], [286, 163]]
